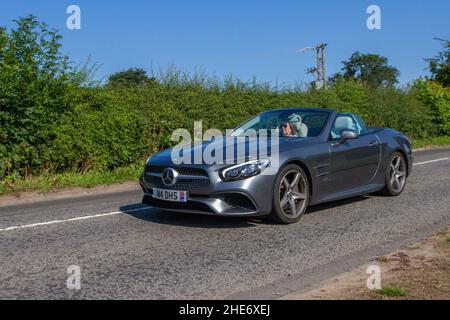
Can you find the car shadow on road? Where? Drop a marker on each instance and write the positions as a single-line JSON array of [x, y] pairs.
[[159, 216], [337, 203], [156, 215]]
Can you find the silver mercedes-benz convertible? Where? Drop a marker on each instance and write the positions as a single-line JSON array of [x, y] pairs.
[[301, 157]]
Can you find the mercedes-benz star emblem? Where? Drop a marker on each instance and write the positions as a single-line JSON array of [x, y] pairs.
[[169, 177]]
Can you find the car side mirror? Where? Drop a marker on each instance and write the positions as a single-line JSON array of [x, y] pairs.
[[348, 135]]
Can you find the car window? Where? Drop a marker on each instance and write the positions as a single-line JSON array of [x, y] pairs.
[[361, 126], [315, 122], [305, 123]]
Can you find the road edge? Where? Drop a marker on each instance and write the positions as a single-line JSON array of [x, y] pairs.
[[312, 278], [27, 197]]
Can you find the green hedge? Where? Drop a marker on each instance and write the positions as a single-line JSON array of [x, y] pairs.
[[437, 98], [106, 128]]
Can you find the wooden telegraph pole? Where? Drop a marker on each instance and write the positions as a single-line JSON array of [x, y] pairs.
[[320, 69]]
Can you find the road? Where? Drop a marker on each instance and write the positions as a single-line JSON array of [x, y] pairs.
[[126, 251]]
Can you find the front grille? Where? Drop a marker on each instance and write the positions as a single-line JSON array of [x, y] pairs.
[[189, 178], [239, 201]]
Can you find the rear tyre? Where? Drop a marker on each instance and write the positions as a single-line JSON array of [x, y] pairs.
[[396, 175], [290, 195]]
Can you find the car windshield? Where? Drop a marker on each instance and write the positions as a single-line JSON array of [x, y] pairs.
[[290, 123]]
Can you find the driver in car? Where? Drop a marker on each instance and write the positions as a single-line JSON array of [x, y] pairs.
[[288, 129]]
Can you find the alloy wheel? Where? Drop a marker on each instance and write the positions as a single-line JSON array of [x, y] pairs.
[[293, 194], [397, 173]]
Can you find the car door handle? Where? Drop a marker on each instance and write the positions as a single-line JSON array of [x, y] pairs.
[[373, 144]]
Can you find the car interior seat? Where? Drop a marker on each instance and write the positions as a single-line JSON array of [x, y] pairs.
[[302, 129], [342, 123]]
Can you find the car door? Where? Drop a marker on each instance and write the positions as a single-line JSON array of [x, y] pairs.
[[354, 162]]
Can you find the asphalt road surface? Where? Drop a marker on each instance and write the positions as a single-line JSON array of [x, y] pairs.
[[125, 251]]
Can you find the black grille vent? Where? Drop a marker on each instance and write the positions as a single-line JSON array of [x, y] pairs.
[[239, 201], [182, 184], [184, 171]]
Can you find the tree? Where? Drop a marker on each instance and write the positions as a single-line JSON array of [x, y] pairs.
[[370, 69], [439, 65], [437, 99], [34, 80], [130, 77], [35, 84]]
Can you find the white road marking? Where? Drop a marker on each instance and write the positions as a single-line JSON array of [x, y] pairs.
[[101, 215], [431, 161]]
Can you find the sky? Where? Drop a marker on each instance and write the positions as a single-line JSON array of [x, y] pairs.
[[243, 38]]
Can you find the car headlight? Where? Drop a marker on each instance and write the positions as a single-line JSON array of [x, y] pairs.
[[244, 170]]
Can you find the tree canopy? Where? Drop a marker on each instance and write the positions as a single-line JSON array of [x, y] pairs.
[[439, 65], [370, 69], [129, 77], [34, 80]]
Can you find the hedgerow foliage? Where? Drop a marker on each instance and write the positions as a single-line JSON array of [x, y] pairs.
[[51, 121], [437, 98]]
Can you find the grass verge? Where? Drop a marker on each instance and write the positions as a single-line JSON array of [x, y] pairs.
[[392, 292], [50, 182], [431, 142]]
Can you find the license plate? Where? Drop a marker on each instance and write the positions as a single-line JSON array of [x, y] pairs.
[[170, 195]]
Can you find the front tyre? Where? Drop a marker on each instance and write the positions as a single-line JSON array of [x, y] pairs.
[[396, 175], [291, 195]]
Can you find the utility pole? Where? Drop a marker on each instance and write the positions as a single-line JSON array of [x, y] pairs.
[[319, 70]]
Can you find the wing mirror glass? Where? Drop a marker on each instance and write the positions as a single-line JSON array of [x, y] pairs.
[[348, 135]]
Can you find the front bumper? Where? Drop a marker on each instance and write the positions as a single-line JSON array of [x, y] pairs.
[[204, 205], [248, 197]]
